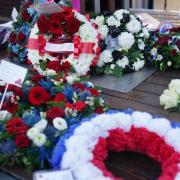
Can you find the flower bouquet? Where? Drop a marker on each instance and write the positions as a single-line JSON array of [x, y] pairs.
[[164, 49], [21, 30], [66, 36], [122, 43], [170, 98], [34, 117]]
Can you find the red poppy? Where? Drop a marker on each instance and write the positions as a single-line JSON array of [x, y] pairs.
[[22, 141], [54, 112], [38, 95]]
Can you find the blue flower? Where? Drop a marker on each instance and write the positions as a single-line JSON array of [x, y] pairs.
[[84, 95], [15, 49], [7, 147], [48, 84], [68, 92], [50, 133], [25, 28]]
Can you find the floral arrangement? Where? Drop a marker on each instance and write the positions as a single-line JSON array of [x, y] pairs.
[[170, 98], [164, 49], [21, 30], [66, 36], [122, 43], [34, 117], [117, 131]]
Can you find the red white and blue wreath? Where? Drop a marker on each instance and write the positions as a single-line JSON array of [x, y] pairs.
[[66, 36], [118, 131]]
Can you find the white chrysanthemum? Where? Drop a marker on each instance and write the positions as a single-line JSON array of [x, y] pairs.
[[41, 125], [112, 21], [134, 26], [99, 20], [145, 33], [126, 40], [138, 65], [103, 30], [123, 62], [60, 124], [4, 115], [119, 14], [40, 140], [105, 57], [169, 99], [32, 133]]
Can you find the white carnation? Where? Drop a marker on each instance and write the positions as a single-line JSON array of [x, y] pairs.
[[40, 140], [41, 125], [99, 20], [138, 65], [105, 57], [112, 21], [126, 40], [33, 133], [134, 26], [103, 30], [123, 62], [169, 99], [60, 124]]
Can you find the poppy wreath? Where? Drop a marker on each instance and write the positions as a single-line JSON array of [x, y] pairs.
[[63, 37], [118, 131]]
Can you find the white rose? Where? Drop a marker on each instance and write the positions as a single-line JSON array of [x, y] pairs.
[[71, 79], [99, 20], [50, 72], [4, 115], [126, 40], [123, 62], [103, 30], [40, 140], [41, 125], [60, 124], [138, 65], [169, 99], [175, 85], [32, 133]]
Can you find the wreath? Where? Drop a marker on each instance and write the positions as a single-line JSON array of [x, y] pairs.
[[122, 43], [118, 131], [64, 37]]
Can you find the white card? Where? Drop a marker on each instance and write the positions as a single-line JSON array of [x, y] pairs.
[[53, 175], [49, 8], [12, 74], [14, 14]]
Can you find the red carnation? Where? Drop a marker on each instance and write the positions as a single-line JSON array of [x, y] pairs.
[[16, 126], [38, 95], [72, 24], [43, 24], [20, 36], [22, 141], [55, 112], [60, 98], [79, 106], [66, 66], [54, 65], [94, 92], [56, 21], [163, 40], [12, 37], [10, 107], [26, 16], [36, 78]]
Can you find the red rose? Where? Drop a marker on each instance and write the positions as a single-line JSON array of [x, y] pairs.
[[16, 126], [36, 78], [72, 25], [56, 21], [55, 112], [20, 36], [54, 65], [38, 95], [94, 92], [43, 24], [66, 66], [163, 40], [99, 110], [12, 37], [26, 16], [22, 141], [173, 52], [10, 107], [60, 98]]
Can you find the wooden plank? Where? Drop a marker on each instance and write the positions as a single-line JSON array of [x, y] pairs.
[[123, 104], [159, 80], [172, 74]]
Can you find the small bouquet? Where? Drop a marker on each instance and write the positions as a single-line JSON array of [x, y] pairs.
[[170, 98], [164, 48], [34, 117]]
